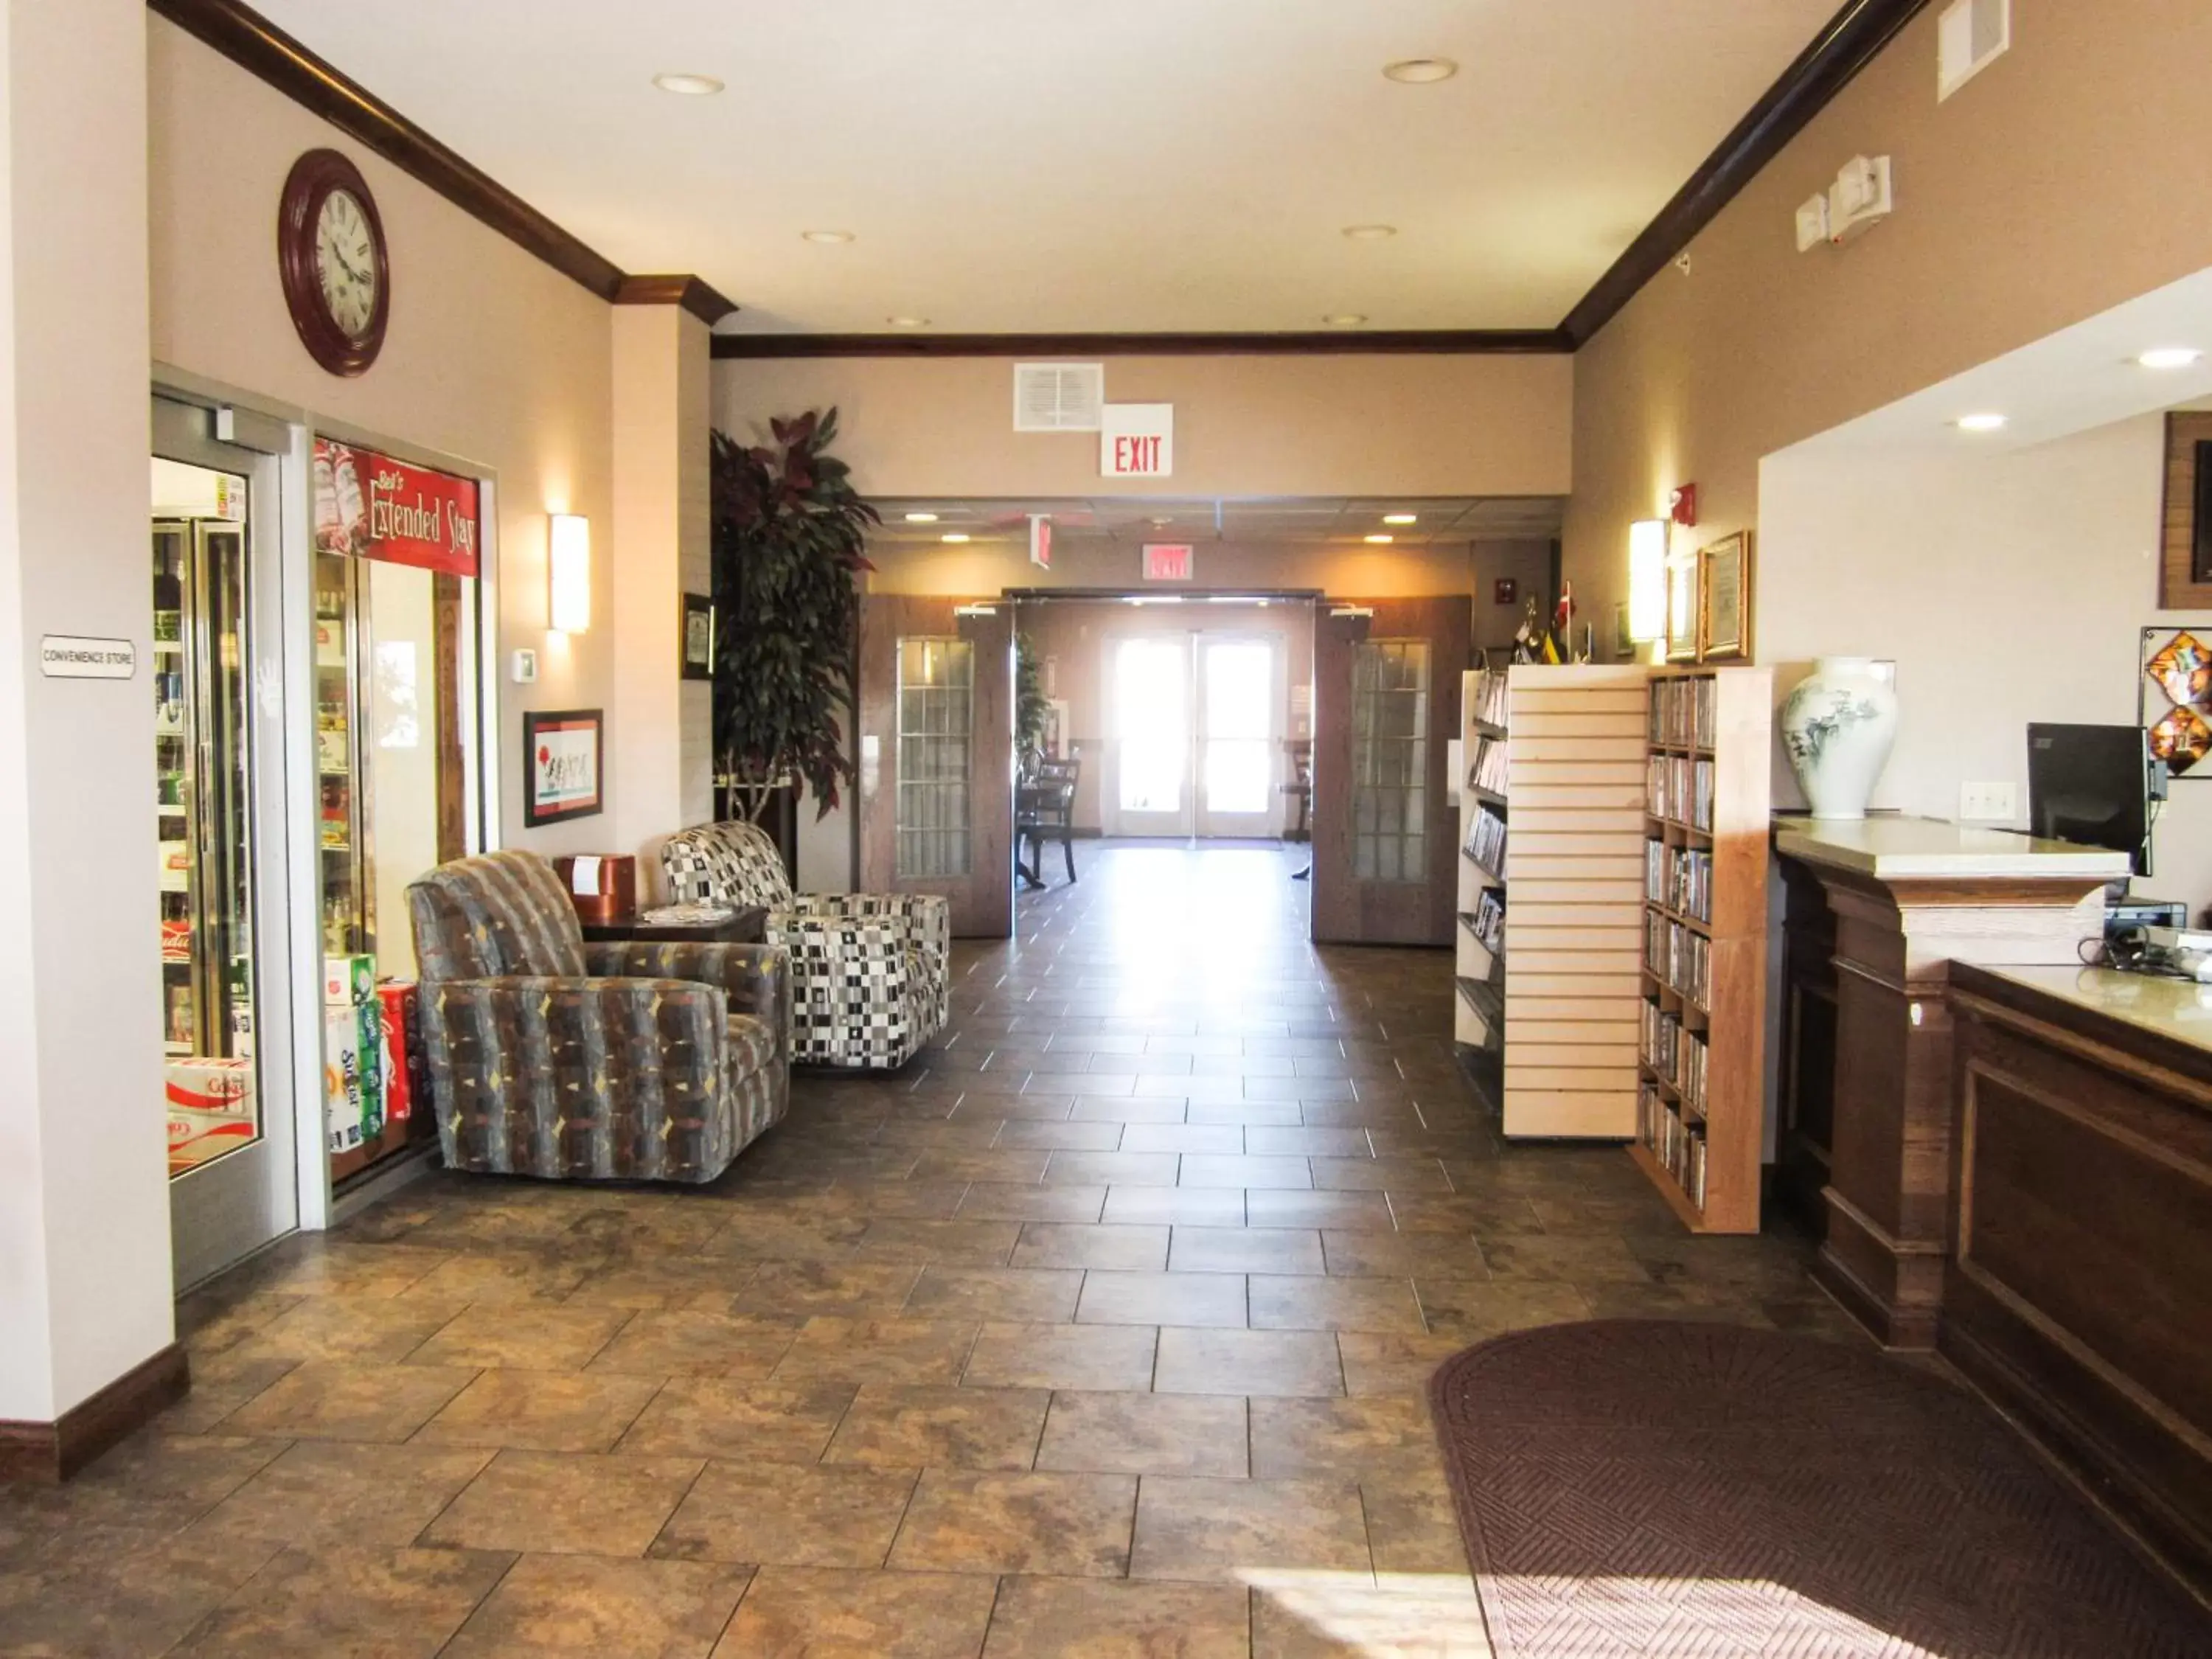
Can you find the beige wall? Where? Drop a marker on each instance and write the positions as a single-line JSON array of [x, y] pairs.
[[85, 1275], [982, 568], [492, 356], [1960, 568], [1244, 426], [2066, 178], [1075, 641]]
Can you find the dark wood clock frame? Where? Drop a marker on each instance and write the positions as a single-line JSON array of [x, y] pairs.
[[313, 178]]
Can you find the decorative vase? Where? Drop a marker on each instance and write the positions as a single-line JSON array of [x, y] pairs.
[[1837, 726]]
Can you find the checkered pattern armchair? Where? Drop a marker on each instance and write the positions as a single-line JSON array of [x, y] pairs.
[[869, 969], [548, 1056]]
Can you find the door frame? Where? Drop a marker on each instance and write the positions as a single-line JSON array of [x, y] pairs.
[[1346, 909], [983, 901], [225, 1210]]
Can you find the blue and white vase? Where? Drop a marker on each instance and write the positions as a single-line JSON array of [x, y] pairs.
[[1837, 726]]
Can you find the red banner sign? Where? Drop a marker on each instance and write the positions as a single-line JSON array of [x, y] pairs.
[[374, 507]]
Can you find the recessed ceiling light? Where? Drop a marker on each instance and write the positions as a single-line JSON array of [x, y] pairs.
[[1401, 517], [825, 235], [1379, 536], [1345, 318], [954, 535], [1981, 423], [907, 322], [2169, 357], [921, 518], [1421, 72], [1370, 232], [688, 86]]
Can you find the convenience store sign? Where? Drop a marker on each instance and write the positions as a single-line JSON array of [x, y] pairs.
[[373, 507]]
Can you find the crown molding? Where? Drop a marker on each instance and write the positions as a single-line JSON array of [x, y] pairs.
[[1336, 341], [677, 288], [1851, 40]]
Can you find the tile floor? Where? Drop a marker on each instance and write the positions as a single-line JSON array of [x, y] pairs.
[[1101, 1330]]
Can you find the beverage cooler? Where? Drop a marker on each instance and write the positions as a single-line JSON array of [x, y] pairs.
[[201, 788]]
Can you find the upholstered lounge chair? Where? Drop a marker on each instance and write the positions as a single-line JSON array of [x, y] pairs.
[[868, 970], [548, 1056]]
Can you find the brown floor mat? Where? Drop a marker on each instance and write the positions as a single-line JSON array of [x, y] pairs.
[[1638, 1487]]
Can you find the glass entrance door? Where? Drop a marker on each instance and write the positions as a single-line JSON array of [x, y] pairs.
[[1152, 717], [1239, 736], [218, 801]]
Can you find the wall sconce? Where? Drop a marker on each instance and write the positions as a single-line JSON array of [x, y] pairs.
[[1647, 579], [568, 568]]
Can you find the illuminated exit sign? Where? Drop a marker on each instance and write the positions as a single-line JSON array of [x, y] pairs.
[[1167, 561], [1136, 440]]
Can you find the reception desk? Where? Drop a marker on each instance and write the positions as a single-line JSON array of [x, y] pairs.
[[2078, 1288], [1879, 910]]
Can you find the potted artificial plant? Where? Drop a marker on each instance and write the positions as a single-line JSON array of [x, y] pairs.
[[789, 530]]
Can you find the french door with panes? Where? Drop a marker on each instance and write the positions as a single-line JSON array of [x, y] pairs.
[[1197, 721], [1385, 701], [936, 755]]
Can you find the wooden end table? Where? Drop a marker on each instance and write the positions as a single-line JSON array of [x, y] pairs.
[[748, 926]]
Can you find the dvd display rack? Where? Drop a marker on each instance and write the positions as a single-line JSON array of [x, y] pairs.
[[1479, 943], [1574, 899], [1700, 1107]]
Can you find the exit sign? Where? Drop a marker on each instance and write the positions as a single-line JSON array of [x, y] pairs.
[[1136, 440], [1167, 561]]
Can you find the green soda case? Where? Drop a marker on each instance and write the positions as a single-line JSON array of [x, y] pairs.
[[349, 980], [369, 1017]]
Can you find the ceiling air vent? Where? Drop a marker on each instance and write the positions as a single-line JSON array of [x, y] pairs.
[[1057, 397], [1970, 36]]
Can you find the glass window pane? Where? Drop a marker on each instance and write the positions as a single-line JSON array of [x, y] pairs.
[[1153, 721], [936, 687], [1389, 759]]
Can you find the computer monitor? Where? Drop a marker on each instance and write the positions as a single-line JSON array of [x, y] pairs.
[[2091, 784]]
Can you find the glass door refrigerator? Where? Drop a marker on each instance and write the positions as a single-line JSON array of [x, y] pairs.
[[201, 782], [349, 901]]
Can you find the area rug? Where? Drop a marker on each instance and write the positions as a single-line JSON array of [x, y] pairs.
[[1646, 1488]]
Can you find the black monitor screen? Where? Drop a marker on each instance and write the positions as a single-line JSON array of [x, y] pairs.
[[2091, 784]]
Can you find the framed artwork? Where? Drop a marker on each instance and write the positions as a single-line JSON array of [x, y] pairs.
[[567, 765], [1506, 590], [698, 637], [1624, 647], [1724, 597], [1682, 608], [2185, 542]]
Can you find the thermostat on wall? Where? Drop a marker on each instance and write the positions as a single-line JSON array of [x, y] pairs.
[[526, 665]]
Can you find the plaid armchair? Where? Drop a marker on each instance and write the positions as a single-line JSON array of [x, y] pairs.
[[551, 1057], [869, 970]]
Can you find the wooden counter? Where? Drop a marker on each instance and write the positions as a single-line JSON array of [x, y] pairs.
[[2078, 1291], [1904, 898]]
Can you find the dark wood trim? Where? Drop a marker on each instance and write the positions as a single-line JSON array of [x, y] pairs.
[[259, 47], [677, 288], [1852, 39], [49, 1453], [1522, 342]]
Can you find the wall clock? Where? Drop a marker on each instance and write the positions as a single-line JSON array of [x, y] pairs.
[[330, 254]]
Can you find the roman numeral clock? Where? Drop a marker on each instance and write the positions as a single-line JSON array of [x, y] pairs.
[[330, 254]]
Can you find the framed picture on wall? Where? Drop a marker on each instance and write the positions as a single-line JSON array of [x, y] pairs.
[[567, 765], [1724, 597], [698, 637], [1682, 608], [1624, 647]]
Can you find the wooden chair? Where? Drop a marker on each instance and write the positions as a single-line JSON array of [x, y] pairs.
[[1044, 809]]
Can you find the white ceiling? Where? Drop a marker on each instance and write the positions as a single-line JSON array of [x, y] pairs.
[[1086, 164], [1127, 521]]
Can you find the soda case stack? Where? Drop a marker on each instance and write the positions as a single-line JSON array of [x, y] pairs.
[[353, 1053], [210, 1104], [403, 1080]]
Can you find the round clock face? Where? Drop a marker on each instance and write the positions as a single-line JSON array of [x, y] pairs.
[[345, 264], [330, 256]]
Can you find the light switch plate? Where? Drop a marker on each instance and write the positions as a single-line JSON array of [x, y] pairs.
[[1989, 803], [526, 665]]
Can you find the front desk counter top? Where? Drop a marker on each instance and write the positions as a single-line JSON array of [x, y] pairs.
[[2174, 1015]]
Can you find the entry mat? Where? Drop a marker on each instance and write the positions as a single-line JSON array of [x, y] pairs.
[[1636, 1488]]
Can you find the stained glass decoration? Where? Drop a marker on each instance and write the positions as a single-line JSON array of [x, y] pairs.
[[2181, 739], [2183, 669]]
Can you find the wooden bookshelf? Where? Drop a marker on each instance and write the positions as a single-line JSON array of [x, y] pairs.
[[1574, 928], [1701, 1018], [1478, 941]]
